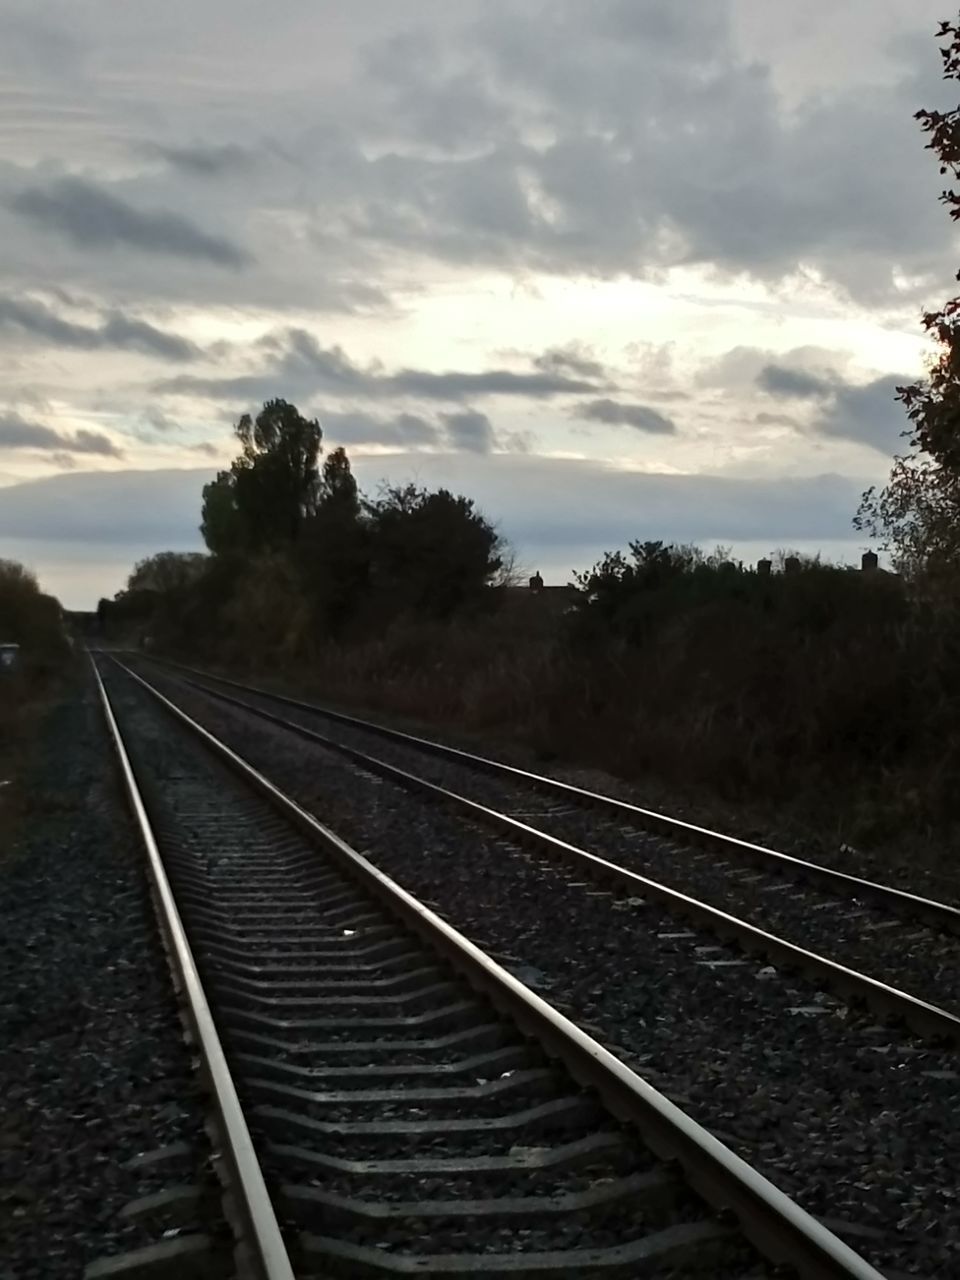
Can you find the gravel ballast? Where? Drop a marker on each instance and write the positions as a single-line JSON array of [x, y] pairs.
[[243, 863], [862, 934], [917, 862], [859, 1122], [93, 1067]]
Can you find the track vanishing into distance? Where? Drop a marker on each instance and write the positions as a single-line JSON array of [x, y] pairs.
[[895, 951], [390, 1100]]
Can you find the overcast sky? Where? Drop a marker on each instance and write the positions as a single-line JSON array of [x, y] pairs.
[[625, 268]]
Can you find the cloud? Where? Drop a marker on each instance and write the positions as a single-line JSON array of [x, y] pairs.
[[467, 431], [640, 416], [490, 382], [523, 138], [206, 161], [140, 507], [780, 380], [868, 413], [576, 506], [741, 369], [775, 420], [18, 433], [470, 431], [865, 412], [299, 364], [401, 431], [94, 218], [574, 358], [566, 149], [155, 420], [117, 331]]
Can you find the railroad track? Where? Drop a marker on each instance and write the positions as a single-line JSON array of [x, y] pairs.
[[676, 831], [866, 942], [391, 1101]]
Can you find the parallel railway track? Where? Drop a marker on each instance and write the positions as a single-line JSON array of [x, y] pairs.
[[866, 942], [680, 833], [392, 1101]]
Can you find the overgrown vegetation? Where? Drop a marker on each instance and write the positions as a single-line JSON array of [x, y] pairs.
[[917, 514], [830, 689], [829, 684], [33, 621], [299, 559]]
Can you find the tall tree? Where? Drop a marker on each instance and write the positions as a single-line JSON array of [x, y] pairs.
[[433, 553], [167, 571], [272, 486], [334, 550], [917, 515], [338, 488]]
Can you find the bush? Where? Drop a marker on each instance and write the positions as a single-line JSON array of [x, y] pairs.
[[31, 619]]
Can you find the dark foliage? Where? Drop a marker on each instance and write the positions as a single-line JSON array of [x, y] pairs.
[[917, 514], [300, 559], [433, 554], [271, 487]]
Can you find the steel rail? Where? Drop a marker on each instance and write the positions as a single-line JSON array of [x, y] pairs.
[[782, 1232], [928, 1020], [940, 915], [260, 1231]]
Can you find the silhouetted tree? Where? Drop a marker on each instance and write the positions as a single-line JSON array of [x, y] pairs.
[[334, 550], [167, 571], [917, 515], [338, 488], [271, 487], [432, 553], [30, 618]]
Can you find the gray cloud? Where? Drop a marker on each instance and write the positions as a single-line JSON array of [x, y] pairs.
[[869, 414], [573, 358], [781, 380], [155, 420], [640, 416], [581, 174], [467, 431], [401, 431], [775, 420], [92, 217], [18, 433], [491, 382], [117, 332], [299, 364], [522, 138], [142, 507], [470, 431], [204, 160], [577, 508]]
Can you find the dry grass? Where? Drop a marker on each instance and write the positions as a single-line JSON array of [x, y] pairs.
[[846, 726]]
